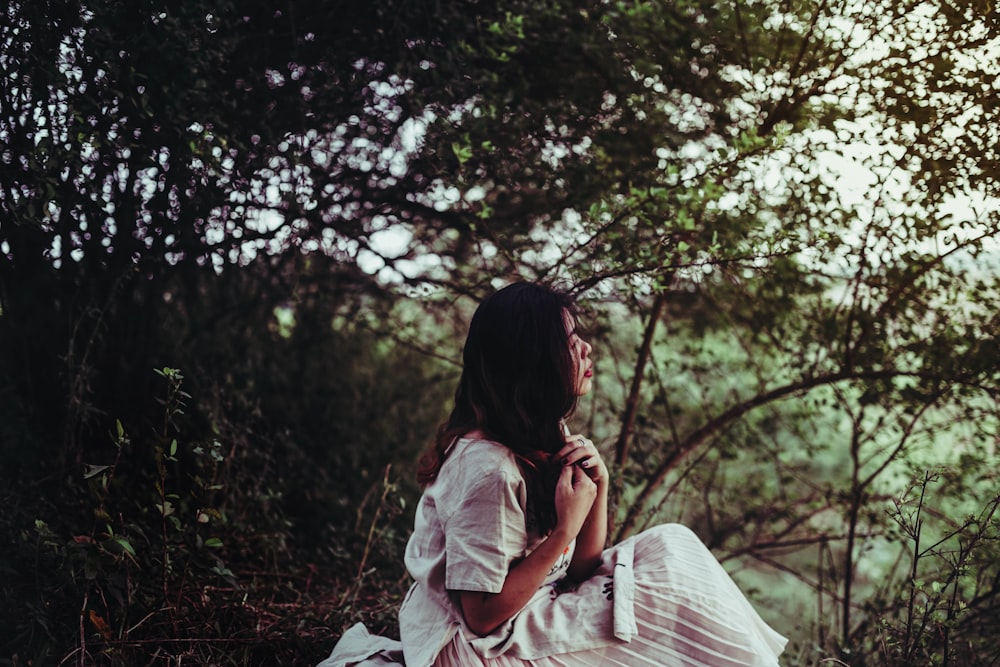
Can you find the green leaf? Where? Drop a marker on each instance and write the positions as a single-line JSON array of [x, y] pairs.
[[213, 543], [124, 544], [462, 153]]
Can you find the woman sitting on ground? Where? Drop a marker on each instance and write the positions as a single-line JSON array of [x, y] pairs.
[[507, 553]]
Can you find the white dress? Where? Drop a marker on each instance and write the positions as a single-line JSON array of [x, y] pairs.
[[658, 598]]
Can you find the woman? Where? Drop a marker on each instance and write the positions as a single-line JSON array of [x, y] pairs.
[[507, 551]]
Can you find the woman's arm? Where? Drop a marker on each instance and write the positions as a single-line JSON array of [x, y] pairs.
[[575, 495], [580, 452], [590, 541]]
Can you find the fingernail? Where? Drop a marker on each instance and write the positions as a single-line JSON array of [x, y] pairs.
[[585, 464]]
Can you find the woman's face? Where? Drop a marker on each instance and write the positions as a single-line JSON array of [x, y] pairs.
[[580, 352]]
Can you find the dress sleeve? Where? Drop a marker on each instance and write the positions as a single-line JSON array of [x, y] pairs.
[[484, 533]]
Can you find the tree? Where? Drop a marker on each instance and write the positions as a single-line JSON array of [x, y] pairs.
[[786, 205]]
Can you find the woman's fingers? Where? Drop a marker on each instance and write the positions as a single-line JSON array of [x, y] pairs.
[[580, 451], [566, 477], [579, 476], [577, 448], [575, 493]]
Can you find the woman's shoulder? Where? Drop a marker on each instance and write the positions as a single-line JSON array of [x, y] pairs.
[[474, 459], [478, 449], [475, 468]]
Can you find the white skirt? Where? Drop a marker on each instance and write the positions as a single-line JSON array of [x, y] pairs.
[[683, 608], [659, 598]]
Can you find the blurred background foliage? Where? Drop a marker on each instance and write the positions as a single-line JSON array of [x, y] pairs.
[[239, 246]]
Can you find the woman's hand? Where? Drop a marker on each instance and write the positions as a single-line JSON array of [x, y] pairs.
[[575, 494], [580, 451], [582, 458]]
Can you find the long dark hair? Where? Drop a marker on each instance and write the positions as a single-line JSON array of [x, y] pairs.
[[517, 384]]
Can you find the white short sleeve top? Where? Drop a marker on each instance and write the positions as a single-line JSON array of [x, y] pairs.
[[470, 528]]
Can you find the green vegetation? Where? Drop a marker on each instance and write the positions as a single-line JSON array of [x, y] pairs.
[[239, 246]]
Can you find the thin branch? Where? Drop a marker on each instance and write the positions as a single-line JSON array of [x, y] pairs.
[[741, 27], [632, 402], [716, 424]]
